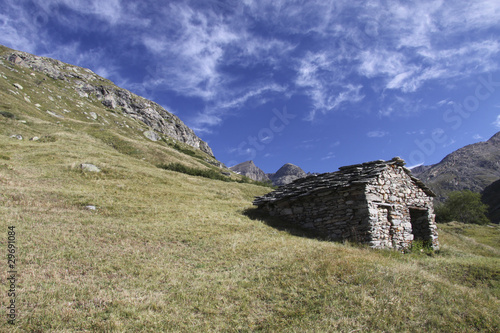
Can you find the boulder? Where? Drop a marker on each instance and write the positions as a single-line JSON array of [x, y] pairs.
[[89, 167], [151, 135]]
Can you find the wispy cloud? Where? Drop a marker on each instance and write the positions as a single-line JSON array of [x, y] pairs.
[[496, 123], [329, 156], [318, 76], [377, 134], [190, 58]]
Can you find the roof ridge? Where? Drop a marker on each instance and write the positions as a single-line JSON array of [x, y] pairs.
[[351, 174]]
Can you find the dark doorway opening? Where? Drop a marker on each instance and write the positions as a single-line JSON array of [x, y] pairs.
[[420, 224]]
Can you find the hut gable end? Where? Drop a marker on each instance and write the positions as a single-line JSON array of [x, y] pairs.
[[379, 203]]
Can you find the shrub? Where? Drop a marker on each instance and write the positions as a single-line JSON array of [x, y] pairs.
[[8, 114], [184, 150], [464, 206], [207, 173]]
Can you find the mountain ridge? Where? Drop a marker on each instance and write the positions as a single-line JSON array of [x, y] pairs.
[[285, 175]]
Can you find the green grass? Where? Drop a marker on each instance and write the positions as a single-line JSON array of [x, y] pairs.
[[167, 251]]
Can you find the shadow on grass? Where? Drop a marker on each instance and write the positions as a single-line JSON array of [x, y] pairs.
[[282, 225]]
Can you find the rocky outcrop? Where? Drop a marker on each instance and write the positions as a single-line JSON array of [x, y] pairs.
[[286, 174], [250, 170], [91, 86], [472, 167]]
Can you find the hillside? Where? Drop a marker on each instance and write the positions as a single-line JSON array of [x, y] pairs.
[[137, 248], [50, 88], [472, 167]]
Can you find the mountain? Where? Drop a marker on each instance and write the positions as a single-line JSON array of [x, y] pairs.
[[250, 170], [472, 167], [81, 87], [286, 174]]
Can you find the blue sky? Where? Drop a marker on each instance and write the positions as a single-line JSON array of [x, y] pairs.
[[319, 84]]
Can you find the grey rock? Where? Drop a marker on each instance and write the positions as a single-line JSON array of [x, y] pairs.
[[89, 167], [17, 136], [35, 138], [93, 115], [152, 136], [53, 114], [18, 86], [90, 207]]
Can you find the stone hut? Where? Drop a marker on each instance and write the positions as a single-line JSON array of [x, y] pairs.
[[378, 203]]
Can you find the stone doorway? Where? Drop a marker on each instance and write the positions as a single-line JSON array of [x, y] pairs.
[[420, 224]]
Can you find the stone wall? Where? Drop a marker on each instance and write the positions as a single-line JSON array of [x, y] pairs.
[[340, 214], [391, 199]]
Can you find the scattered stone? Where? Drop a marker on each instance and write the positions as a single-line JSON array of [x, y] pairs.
[[38, 105], [89, 167], [18, 86], [17, 136], [151, 135], [35, 138], [93, 115], [90, 207], [22, 121], [51, 98], [54, 114], [27, 98]]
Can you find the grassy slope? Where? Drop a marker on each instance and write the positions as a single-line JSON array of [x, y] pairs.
[[169, 252]]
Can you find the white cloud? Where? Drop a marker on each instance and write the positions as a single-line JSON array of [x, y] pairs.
[[496, 123], [377, 134], [417, 46], [329, 156], [318, 76], [190, 59]]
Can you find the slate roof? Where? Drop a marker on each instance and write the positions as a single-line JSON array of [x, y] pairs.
[[345, 177]]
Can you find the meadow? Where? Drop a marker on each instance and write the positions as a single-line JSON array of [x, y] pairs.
[[166, 251]]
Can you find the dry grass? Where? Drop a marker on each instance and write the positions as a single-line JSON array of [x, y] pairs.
[[170, 252]]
